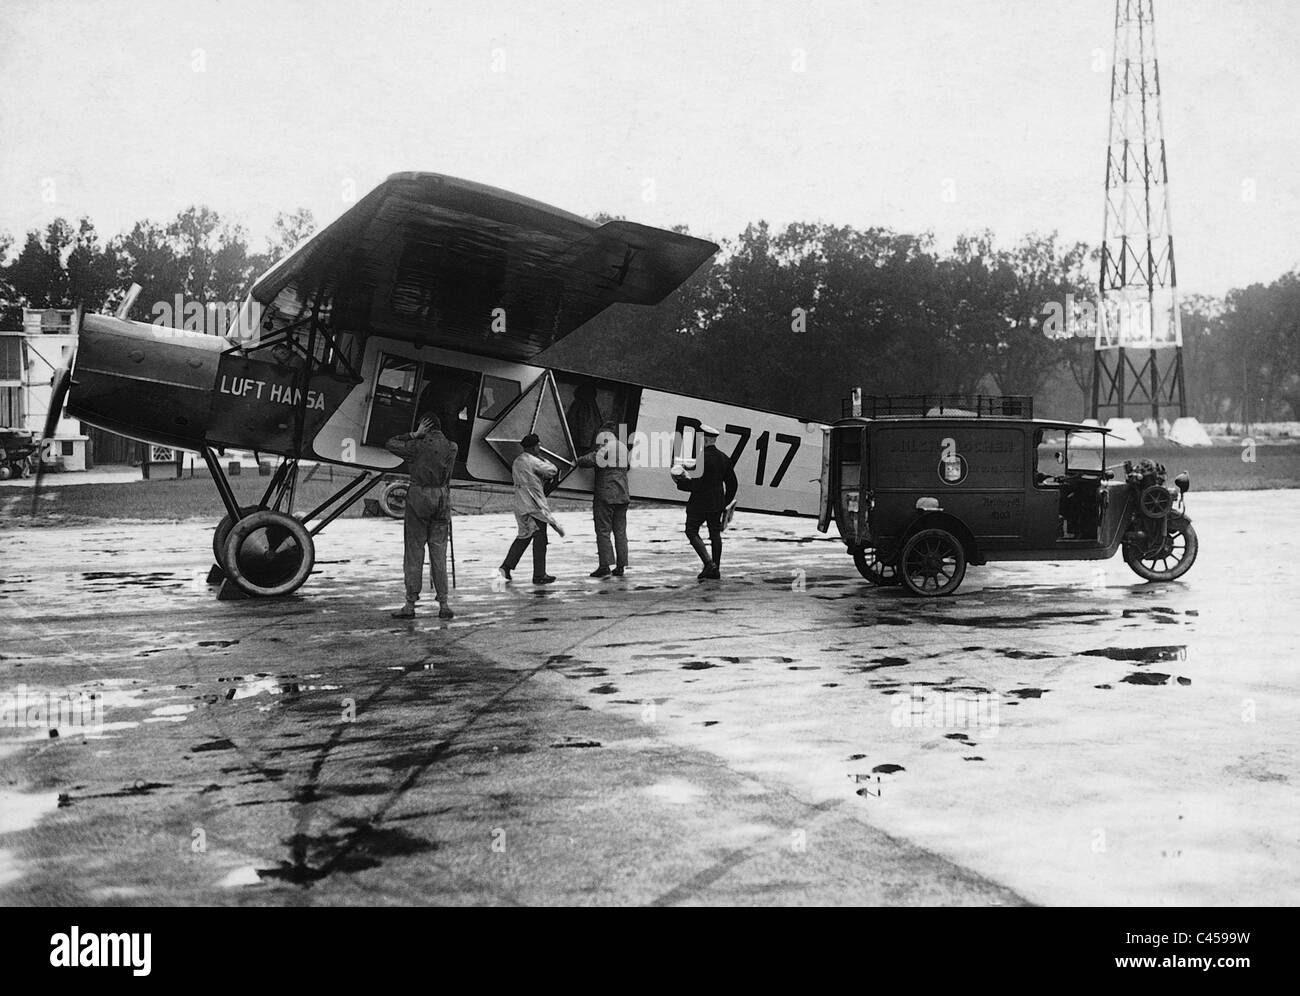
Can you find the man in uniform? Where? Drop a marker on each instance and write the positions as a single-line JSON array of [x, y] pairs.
[[532, 512], [711, 494], [430, 457]]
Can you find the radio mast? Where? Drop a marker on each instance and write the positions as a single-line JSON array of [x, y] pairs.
[[1138, 356]]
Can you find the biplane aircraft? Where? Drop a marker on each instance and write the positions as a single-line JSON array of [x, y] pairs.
[[430, 293]]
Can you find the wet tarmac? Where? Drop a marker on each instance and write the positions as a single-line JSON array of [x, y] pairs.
[[1054, 733]]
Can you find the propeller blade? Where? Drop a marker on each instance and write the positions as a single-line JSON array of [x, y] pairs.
[[62, 383]]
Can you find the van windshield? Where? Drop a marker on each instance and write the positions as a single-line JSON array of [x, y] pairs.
[[1083, 451]]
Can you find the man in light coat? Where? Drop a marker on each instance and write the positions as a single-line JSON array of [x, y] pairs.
[[532, 511]]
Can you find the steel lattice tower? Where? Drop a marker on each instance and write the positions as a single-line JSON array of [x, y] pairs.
[[1138, 356]]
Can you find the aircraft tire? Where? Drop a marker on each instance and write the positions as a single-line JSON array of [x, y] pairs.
[[223, 530], [268, 554]]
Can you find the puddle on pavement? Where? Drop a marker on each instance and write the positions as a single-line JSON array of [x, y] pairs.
[[1152, 678], [247, 686], [576, 742], [213, 745], [675, 791], [1145, 678], [878, 663], [170, 714], [1031, 621], [137, 788], [589, 671], [152, 579], [1140, 655], [1024, 655], [22, 810], [240, 877], [1028, 693], [1160, 612]]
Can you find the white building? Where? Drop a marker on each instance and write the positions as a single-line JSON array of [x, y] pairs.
[[28, 359]]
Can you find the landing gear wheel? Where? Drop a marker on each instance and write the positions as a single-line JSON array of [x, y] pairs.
[[871, 567], [392, 498], [932, 563], [1171, 560], [223, 530], [268, 553]]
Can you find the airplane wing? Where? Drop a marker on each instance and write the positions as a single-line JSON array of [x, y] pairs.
[[441, 261]]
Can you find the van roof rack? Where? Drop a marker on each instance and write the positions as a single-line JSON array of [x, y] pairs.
[[940, 406]]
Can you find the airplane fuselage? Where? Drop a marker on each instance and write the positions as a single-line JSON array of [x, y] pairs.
[[192, 391]]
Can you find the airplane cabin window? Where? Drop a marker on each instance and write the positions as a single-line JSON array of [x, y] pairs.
[[588, 402], [452, 395]]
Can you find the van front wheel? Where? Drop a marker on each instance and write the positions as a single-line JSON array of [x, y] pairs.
[[1171, 560]]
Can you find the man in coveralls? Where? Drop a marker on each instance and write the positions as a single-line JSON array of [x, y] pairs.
[[711, 493], [430, 457]]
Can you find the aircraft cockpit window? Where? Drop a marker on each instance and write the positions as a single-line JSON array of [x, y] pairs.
[[496, 395]]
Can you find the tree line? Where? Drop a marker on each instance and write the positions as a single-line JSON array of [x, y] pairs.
[[197, 255], [785, 319]]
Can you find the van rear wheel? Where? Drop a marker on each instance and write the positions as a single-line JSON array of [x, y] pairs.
[[932, 563], [870, 566]]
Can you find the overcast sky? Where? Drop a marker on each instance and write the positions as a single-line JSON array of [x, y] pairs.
[[663, 111]]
